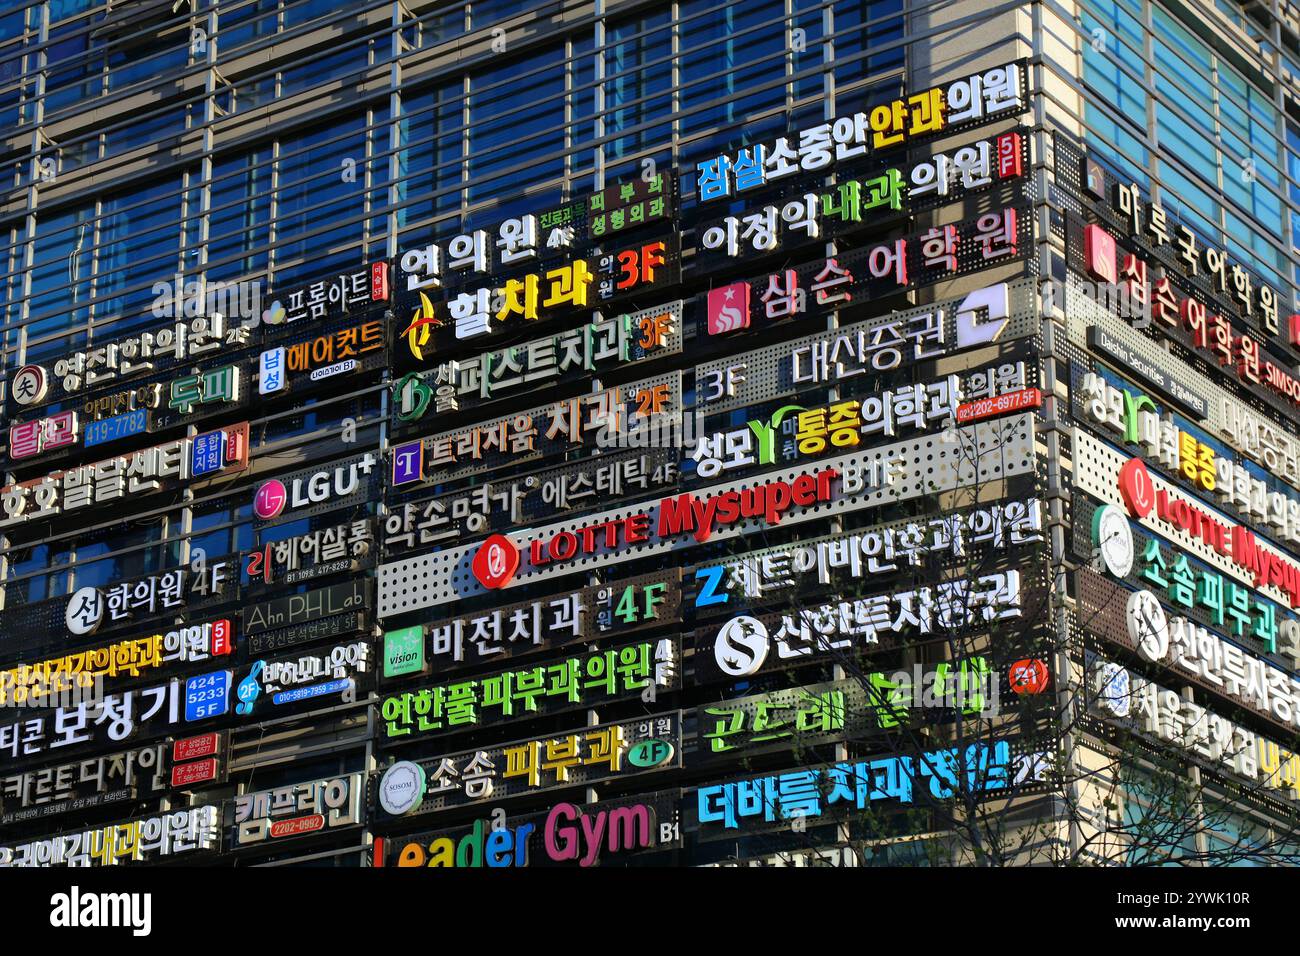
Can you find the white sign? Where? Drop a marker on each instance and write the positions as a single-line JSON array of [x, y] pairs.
[[270, 373], [401, 789], [1114, 538], [85, 611]]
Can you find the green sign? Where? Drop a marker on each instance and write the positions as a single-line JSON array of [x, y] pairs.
[[404, 651]]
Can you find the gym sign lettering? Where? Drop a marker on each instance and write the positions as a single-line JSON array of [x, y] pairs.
[[567, 833]]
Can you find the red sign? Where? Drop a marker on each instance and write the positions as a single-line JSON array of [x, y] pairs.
[[729, 308], [223, 638], [201, 771], [1233, 541], [1028, 676], [379, 281], [685, 514], [496, 562], [192, 748], [298, 825], [1016, 401]]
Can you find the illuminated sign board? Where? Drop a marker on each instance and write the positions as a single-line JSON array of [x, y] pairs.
[[524, 499], [577, 681], [130, 658], [108, 483], [311, 555], [297, 809], [513, 630], [576, 759], [995, 93], [980, 769], [604, 344], [566, 834], [169, 834], [84, 783], [714, 513], [598, 419], [295, 609]]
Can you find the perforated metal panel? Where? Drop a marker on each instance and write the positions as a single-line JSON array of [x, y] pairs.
[[984, 452], [769, 372], [1082, 312], [1096, 472]]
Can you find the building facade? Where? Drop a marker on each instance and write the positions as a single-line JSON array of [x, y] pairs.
[[583, 433]]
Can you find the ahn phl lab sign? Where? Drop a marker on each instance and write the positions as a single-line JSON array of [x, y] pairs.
[[498, 558]]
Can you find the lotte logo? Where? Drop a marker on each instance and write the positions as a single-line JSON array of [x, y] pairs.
[[496, 562], [270, 499], [1136, 488]]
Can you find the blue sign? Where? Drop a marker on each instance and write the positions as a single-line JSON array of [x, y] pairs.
[[207, 453], [316, 690], [207, 695], [249, 688], [119, 426], [408, 462]]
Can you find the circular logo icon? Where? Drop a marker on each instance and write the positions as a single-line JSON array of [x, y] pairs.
[[85, 611], [1147, 625], [650, 753], [29, 385], [1136, 488], [741, 646], [401, 788], [275, 314], [1028, 676], [495, 563], [1114, 539], [1114, 689], [270, 499]]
